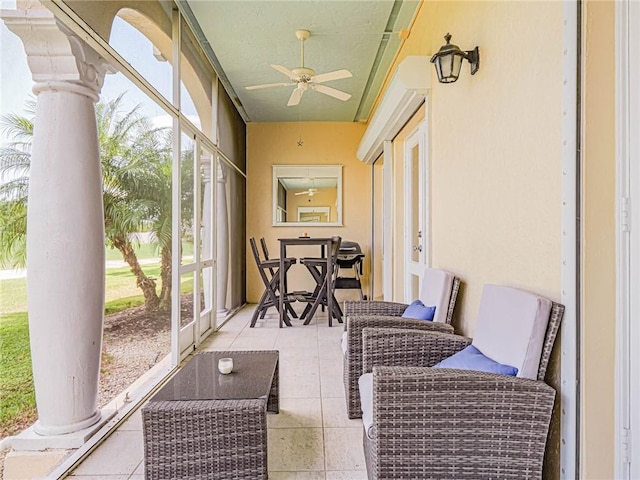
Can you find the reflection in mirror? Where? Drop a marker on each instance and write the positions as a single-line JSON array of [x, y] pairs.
[[307, 195]]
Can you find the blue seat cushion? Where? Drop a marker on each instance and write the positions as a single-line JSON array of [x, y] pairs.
[[419, 311], [470, 358]]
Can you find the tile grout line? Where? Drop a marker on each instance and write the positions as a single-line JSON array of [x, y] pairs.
[[324, 444]]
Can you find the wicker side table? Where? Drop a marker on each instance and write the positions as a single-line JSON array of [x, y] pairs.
[[188, 436]]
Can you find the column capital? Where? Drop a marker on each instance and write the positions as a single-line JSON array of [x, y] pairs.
[[205, 164], [222, 172], [58, 59]]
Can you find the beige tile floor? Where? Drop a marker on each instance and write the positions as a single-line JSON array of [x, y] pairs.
[[310, 439]]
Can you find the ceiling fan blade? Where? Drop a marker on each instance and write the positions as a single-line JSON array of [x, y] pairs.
[[326, 77], [269, 85], [332, 92], [302, 193], [295, 97], [285, 71]]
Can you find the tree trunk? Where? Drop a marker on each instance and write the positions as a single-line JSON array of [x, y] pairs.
[[145, 283], [165, 278]]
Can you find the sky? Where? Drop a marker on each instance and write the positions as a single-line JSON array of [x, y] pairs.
[[15, 78], [16, 83]]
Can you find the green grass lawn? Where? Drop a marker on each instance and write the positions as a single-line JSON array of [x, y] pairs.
[[143, 251], [119, 284], [17, 396], [13, 295]]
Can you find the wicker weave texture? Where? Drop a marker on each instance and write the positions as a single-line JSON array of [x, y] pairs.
[[455, 424], [205, 439], [395, 309], [407, 348], [374, 307], [555, 318], [209, 439], [352, 362], [273, 402], [455, 289], [385, 315]]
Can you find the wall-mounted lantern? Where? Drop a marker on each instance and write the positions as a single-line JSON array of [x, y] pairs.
[[449, 58]]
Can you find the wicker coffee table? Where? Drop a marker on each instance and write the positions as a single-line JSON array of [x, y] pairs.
[[205, 425]]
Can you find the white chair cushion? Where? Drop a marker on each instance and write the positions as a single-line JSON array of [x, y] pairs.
[[343, 343], [365, 385], [511, 327], [436, 291]]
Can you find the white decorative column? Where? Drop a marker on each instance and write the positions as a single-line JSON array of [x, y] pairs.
[[65, 240], [222, 240]]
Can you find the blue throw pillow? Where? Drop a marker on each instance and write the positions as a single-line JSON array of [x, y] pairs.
[[471, 358], [419, 311]]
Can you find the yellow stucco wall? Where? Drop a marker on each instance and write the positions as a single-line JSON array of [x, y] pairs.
[[324, 144], [495, 154], [496, 146], [598, 243]]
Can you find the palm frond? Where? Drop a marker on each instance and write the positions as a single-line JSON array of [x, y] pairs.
[[15, 190], [16, 126], [13, 235]]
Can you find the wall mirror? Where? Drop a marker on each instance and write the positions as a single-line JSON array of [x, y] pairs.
[[307, 195]]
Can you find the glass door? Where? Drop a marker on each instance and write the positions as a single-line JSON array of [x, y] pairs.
[[416, 207], [193, 295]]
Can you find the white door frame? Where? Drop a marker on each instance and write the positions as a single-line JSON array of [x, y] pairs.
[[627, 393], [388, 221], [570, 340], [417, 138]]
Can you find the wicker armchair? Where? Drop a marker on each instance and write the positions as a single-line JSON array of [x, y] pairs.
[[439, 288], [452, 424]]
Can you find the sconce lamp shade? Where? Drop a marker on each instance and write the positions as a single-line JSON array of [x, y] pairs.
[[448, 61]]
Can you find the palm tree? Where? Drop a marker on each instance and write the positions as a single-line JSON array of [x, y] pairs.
[[132, 153], [154, 191], [130, 149], [14, 167]]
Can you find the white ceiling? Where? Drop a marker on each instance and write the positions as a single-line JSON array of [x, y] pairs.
[[243, 38]]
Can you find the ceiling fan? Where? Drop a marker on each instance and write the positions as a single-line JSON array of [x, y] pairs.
[[304, 77], [310, 191]]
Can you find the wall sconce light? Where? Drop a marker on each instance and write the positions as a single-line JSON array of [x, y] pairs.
[[449, 58]]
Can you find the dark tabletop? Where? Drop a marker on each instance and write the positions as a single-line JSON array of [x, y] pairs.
[[200, 379]]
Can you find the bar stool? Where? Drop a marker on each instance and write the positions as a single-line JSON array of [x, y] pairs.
[[288, 262], [269, 273], [318, 269]]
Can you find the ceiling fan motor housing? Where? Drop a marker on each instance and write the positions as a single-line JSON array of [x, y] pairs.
[[304, 73]]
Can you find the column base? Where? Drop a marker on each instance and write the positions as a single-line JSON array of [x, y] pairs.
[[30, 440], [65, 429]]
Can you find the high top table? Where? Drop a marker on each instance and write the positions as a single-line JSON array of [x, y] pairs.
[[206, 425], [325, 243]]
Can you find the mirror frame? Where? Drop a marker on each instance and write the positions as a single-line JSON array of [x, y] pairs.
[[305, 171]]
